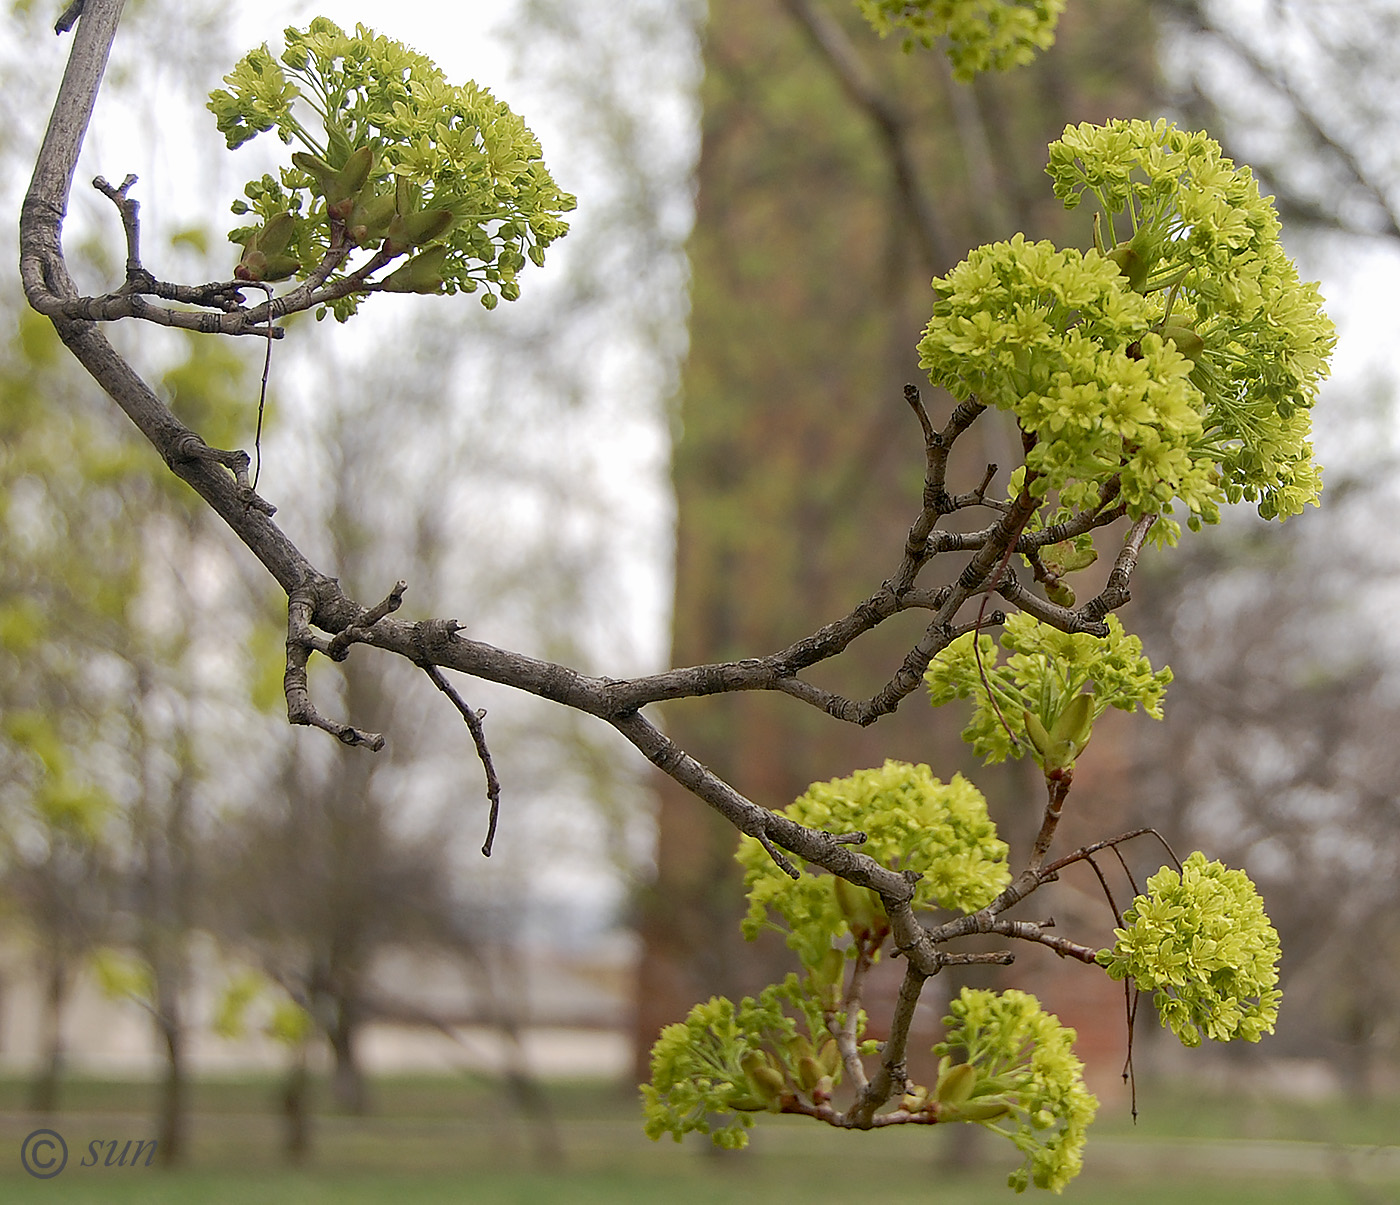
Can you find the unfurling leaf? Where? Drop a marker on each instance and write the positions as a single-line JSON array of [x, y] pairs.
[[421, 274]]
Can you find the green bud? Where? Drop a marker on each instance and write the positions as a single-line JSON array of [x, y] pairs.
[[862, 910], [809, 1072], [798, 1047], [279, 267], [370, 217], [1132, 265], [414, 229], [421, 274], [955, 1085], [1059, 593], [769, 1082], [1074, 724], [315, 167], [914, 1099], [830, 1057], [1067, 557], [351, 178], [1184, 337], [1071, 731], [1035, 733], [975, 1110], [274, 237]]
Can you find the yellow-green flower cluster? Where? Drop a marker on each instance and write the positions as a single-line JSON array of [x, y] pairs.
[[1202, 943], [982, 35], [1046, 670], [912, 821], [727, 1059], [1058, 338], [1024, 1058], [1204, 245], [443, 147]]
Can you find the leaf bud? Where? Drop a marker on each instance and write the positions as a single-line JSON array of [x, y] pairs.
[[1132, 265], [413, 229], [976, 1110], [955, 1084], [276, 235], [798, 1047], [279, 267], [370, 216], [769, 1082], [809, 1072], [421, 274], [1185, 339], [1070, 732], [315, 167], [1035, 733], [348, 181]]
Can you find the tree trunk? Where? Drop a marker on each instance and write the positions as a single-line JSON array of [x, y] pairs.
[[296, 1091], [43, 1091]]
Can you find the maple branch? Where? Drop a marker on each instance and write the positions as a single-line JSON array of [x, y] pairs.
[[316, 600]]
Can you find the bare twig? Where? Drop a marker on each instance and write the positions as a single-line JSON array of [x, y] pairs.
[[358, 632], [301, 642], [69, 17], [474, 726]]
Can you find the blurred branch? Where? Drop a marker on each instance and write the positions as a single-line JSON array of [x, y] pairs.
[[860, 85], [1313, 123]]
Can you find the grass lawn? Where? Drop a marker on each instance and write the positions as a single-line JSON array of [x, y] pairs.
[[435, 1140]]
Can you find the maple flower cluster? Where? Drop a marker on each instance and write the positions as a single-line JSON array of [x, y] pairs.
[[1182, 360], [912, 821], [1202, 943], [1024, 1059], [983, 35], [396, 159]]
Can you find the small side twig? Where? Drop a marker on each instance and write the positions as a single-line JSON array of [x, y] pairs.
[[1033, 931], [69, 17], [301, 643], [473, 720], [339, 647]]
